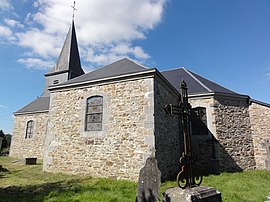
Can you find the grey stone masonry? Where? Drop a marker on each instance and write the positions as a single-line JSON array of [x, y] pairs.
[[125, 142], [167, 137], [22, 147], [260, 120], [234, 134]]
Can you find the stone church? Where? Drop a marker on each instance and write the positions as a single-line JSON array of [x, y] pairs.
[[107, 122]]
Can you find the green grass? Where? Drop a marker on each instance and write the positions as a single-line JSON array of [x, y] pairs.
[[20, 182]]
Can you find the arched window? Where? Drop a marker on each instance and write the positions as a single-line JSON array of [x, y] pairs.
[[199, 121], [94, 113], [29, 129]]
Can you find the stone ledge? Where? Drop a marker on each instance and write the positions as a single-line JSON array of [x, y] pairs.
[[201, 193]]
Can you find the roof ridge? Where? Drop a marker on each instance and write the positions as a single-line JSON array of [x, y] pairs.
[[177, 68], [196, 79], [137, 63], [124, 58]]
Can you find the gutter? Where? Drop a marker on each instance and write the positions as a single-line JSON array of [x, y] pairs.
[[34, 112]]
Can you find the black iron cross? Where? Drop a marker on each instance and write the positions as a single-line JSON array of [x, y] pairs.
[[187, 176], [74, 9]]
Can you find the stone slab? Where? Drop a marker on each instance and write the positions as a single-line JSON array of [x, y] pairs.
[[30, 161], [149, 182], [196, 194]]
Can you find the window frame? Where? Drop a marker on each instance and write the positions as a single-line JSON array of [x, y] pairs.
[[88, 114], [204, 121], [29, 132]]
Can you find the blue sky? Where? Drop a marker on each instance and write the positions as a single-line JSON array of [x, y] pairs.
[[227, 42]]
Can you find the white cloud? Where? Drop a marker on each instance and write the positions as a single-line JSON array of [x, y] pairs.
[[6, 35], [126, 49], [35, 63], [5, 31], [107, 21], [13, 23], [2, 106], [41, 43], [105, 29], [5, 5]]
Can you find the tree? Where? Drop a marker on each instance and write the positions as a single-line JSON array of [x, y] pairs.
[[6, 141], [2, 134]]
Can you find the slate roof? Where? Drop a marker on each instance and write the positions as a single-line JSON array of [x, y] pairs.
[[41, 104], [69, 58], [118, 68], [196, 83]]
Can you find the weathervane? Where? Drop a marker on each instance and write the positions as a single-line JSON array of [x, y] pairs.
[[74, 9], [187, 177]]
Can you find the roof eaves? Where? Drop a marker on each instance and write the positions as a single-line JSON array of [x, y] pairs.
[[259, 102], [54, 73], [32, 112], [106, 79], [219, 94]]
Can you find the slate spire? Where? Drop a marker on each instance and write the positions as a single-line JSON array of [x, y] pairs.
[[68, 64], [69, 58]]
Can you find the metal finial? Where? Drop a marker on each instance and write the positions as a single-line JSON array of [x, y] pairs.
[[74, 9]]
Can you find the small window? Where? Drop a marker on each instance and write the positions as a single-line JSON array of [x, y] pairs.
[[94, 113], [55, 81], [29, 129], [199, 121]]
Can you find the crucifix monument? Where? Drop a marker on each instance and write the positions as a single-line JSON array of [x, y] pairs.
[[187, 176], [187, 179]]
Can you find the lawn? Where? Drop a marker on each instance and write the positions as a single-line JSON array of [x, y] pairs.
[[20, 182]]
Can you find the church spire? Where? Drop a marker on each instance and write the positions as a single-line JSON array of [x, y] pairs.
[[69, 58], [68, 64]]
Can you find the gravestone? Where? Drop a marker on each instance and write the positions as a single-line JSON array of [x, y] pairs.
[[149, 182]]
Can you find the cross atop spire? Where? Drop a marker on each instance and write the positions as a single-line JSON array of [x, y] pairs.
[[68, 64], [74, 9]]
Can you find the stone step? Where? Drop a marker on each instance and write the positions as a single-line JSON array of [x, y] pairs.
[[268, 198]]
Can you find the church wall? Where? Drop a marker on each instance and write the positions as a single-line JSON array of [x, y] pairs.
[[22, 147], [260, 120], [120, 149], [204, 146], [167, 140], [234, 134]]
